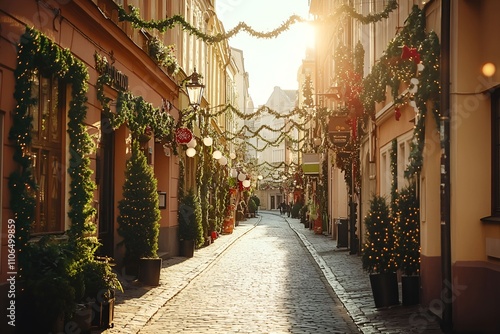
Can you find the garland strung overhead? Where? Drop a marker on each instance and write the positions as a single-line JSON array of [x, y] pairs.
[[170, 22]]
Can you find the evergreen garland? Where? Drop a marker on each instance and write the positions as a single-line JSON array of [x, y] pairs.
[[140, 116], [393, 71], [394, 174], [37, 52], [139, 213], [170, 22]]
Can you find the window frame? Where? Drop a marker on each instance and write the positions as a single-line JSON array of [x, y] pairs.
[[54, 149]]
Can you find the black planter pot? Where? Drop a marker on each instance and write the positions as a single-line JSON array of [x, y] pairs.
[[149, 271], [410, 290], [187, 248], [385, 289]]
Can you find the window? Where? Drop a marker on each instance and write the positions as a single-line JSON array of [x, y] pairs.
[[385, 171], [404, 143], [46, 152]]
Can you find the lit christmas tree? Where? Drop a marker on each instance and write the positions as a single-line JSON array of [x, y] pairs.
[[408, 231], [139, 213], [378, 250]]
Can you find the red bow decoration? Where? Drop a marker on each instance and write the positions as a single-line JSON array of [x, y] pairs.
[[410, 53], [397, 113]]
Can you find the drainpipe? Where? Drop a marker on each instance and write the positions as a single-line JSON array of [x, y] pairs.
[[446, 292]]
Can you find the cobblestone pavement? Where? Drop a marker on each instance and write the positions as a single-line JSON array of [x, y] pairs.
[[352, 285], [267, 282], [343, 272]]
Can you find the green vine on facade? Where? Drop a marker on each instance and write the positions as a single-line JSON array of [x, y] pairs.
[[140, 116], [395, 71], [170, 22], [36, 51], [394, 174]]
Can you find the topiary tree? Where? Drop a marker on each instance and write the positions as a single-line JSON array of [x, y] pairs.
[[189, 218], [139, 213], [378, 250]]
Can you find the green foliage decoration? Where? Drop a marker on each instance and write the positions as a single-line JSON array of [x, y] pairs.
[[170, 22], [164, 55], [392, 71], [139, 116], [139, 213], [36, 52], [394, 173]]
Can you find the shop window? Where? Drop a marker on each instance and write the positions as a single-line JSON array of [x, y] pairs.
[[46, 153]]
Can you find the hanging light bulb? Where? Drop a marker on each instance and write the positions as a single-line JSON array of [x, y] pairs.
[[191, 152], [234, 172], [217, 155], [208, 141], [192, 143], [223, 161], [246, 183], [232, 155], [242, 177]]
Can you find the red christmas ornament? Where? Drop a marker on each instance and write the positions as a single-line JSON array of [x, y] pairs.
[[397, 113], [183, 135]]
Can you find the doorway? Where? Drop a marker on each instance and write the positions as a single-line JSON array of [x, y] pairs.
[[106, 166]]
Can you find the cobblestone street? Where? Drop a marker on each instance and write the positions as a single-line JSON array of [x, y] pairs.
[[270, 275], [266, 282]]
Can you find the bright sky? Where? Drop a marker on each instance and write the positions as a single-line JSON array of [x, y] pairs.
[[269, 62]]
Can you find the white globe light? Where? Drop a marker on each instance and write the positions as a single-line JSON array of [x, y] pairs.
[[191, 152], [192, 143], [242, 177], [232, 155], [217, 155], [246, 183], [260, 177], [208, 141], [234, 172], [223, 161]]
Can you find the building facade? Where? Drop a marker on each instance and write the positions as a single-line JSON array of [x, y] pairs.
[[457, 129], [91, 35]]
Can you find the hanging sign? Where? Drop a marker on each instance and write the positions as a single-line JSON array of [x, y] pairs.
[[183, 135]]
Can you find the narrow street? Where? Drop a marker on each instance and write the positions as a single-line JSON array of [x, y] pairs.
[[266, 282]]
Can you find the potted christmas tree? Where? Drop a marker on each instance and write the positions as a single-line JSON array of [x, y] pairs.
[[190, 227], [378, 253], [139, 218], [408, 234]]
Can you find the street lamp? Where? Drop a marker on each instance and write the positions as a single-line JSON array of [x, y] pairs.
[[194, 89]]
